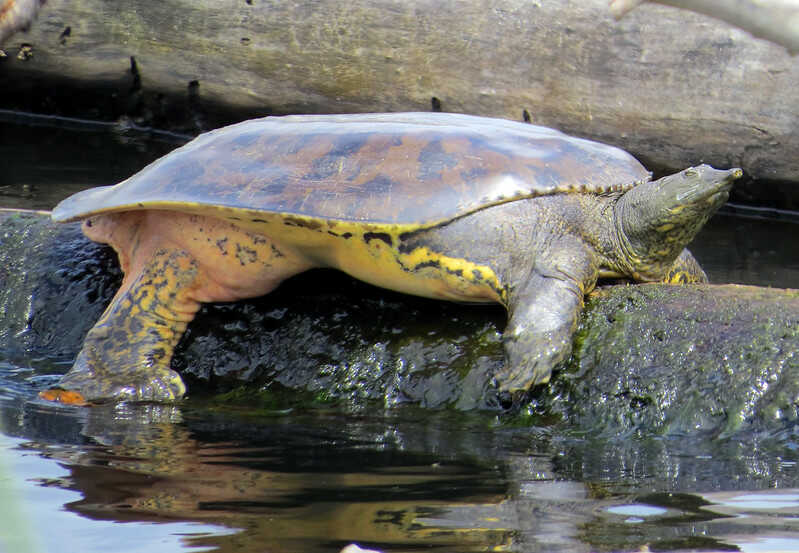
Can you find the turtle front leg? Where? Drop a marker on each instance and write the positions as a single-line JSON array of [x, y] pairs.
[[685, 270], [544, 312], [126, 355]]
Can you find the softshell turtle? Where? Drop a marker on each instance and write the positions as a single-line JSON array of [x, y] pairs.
[[441, 205]]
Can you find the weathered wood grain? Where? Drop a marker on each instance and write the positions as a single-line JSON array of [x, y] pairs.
[[673, 87]]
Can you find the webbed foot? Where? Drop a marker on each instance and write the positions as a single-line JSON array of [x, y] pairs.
[[531, 356], [83, 384], [543, 317], [126, 355]]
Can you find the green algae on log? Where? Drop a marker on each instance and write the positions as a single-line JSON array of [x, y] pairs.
[[693, 359], [710, 360]]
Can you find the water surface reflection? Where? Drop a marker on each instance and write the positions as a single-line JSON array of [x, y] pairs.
[[168, 478]]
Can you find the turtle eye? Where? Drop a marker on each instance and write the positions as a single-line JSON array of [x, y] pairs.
[[691, 172], [88, 222]]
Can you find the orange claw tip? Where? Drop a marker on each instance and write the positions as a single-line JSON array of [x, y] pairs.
[[67, 397]]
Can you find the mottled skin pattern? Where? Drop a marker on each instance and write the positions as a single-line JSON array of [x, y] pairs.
[[551, 251], [172, 264], [535, 247], [135, 329]]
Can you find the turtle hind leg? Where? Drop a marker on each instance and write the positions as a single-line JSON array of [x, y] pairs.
[[126, 355]]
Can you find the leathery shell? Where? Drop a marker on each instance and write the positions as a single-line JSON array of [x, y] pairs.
[[405, 169]]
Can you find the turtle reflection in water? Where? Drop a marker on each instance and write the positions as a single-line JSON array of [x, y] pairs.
[[440, 205]]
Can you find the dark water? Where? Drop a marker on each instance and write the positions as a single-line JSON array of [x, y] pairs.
[[210, 476]]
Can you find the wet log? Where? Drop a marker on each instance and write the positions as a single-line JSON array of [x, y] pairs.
[[660, 359], [775, 20], [674, 87]]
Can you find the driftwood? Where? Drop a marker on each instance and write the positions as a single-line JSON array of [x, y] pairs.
[[774, 20], [673, 87]]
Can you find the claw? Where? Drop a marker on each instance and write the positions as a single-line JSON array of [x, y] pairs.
[[530, 360], [67, 397], [90, 380], [511, 402]]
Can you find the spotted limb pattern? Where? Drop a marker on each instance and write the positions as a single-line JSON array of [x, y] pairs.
[[135, 337]]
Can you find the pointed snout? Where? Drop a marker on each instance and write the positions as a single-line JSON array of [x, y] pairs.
[[703, 182], [659, 218]]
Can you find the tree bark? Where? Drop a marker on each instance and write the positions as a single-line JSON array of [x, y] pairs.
[[673, 87], [774, 20]]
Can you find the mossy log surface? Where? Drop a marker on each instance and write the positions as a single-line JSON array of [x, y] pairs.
[[673, 87], [711, 359]]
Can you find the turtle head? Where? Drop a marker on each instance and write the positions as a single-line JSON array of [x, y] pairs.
[[656, 220]]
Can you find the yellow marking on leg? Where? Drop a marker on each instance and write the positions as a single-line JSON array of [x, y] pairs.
[[366, 251]]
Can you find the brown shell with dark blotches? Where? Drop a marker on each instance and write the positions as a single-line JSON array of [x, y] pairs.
[[408, 169]]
